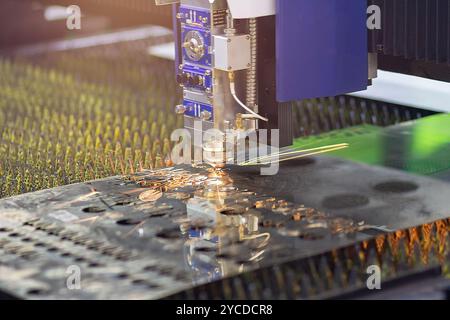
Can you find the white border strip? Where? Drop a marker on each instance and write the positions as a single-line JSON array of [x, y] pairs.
[[409, 91]]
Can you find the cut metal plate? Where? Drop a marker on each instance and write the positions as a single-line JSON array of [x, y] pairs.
[[205, 225]]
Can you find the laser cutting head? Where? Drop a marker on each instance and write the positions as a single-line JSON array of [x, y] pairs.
[[239, 60]]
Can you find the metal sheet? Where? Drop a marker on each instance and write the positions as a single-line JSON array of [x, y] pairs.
[[128, 246]]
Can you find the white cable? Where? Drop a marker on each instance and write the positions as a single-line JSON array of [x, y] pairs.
[[233, 93]]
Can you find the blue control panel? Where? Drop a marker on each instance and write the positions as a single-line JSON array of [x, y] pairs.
[[196, 74]]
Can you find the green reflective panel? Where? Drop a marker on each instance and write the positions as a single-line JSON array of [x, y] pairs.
[[359, 138], [421, 147]]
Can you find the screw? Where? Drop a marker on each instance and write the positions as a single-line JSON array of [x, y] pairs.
[[205, 115], [180, 109]]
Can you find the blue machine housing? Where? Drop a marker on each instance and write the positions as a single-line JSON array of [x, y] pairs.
[[321, 48]]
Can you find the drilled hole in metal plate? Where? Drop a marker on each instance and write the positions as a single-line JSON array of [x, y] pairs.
[[27, 255], [129, 222], [123, 203], [165, 272], [152, 286], [27, 239], [138, 281], [206, 249], [157, 215], [39, 244], [396, 187], [36, 292], [94, 265], [345, 201], [52, 249], [80, 259], [169, 234], [93, 246], [232, 211], [123, 275], [181, 277], [5, 230], [150, 268], [66, 254], [224, 256], [93, 210], [14, 235]]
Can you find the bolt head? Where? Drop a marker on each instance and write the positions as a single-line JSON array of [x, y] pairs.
[[180, 109], [205, 115]]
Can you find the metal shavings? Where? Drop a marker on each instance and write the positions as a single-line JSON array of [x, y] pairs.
[[150, 195]]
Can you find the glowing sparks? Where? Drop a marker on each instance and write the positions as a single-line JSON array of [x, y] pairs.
[[294, 154]]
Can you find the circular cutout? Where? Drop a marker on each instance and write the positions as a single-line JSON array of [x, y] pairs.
[[93, 210], [138, 281], [14, 235], [123, 275], [232, 211], [169, 234], [39, 244], [345, 201], [224, 256], [206, 249], [94, 265], [123, 203], [36, 292], [152, 286], [396, 187], [150, 268], [129, 222]]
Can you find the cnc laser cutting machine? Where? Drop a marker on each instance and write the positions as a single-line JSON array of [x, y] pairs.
[[85, 122]]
